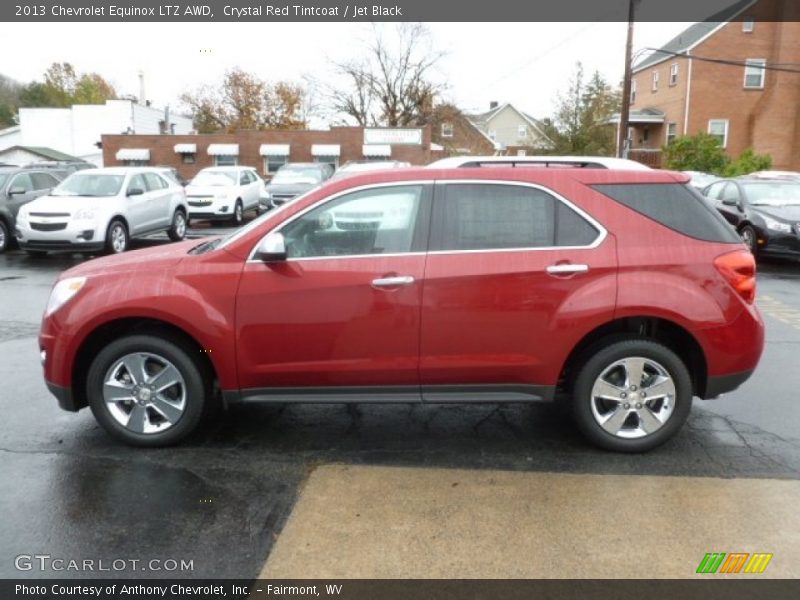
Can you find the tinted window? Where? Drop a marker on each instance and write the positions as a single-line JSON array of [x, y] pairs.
[[244, 178], [730, 192], [674, 206], [43, 181], [377, 221], [713, 191], [137, 182], [491, 217]]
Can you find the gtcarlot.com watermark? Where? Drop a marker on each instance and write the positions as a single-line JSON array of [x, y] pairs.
[[58, 564]]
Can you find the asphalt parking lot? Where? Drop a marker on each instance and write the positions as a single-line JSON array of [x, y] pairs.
[[398, 491]]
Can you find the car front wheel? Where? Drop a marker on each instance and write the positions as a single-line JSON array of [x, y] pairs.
[[117, 237], [238, 214], [749, 238], [146, 390], [632, 395]]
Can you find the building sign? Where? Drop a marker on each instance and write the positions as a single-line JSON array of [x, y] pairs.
[[410, 137]]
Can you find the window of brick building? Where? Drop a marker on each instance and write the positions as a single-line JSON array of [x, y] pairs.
[[718, 128], [754, 73], [748, 24], [188, 158], [226, 160], [672, 132], [447, 130], [633, 91], [673, 74], [273, 163], [655, 81]]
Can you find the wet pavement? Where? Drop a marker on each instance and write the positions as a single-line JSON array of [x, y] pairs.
[[222, 499]]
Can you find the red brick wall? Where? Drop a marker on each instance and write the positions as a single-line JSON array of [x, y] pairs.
[[351, 140]]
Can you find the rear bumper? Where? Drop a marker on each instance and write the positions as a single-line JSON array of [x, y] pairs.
[[722, 384]]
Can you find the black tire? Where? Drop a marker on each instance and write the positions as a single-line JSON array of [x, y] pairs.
[[5, 236], [114, 244], [179, 225], [750, 238], [238, 214], [601, 357], [196, 389]]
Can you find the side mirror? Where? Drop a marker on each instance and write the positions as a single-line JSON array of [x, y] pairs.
[[729, 202], [15, 191], [272, 247], [135, 191]]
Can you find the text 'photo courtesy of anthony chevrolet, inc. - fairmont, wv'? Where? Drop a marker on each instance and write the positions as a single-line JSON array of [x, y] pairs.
[[400, 301]]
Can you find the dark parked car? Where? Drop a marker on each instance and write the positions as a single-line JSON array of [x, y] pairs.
[[765, 212], [293, 179], [622, 289], [18, 186]]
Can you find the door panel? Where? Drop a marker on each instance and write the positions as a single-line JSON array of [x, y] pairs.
[[138, 207], [344, 308], [509, 315]]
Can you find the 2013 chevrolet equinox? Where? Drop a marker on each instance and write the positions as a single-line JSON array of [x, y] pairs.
[[622, 288]]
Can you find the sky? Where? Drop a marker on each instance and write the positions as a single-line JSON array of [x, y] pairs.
[[526, 64]]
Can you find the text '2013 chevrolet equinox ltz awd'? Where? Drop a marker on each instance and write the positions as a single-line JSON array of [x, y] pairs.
[[623, 290]]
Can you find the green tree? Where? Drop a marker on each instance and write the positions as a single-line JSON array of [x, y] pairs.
[[748, 162], [701, 152], [580, 124]]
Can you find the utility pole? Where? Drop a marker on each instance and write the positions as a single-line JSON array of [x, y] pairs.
[[622, 150]]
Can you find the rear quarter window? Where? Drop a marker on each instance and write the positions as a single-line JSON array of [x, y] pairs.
[[675, 206]]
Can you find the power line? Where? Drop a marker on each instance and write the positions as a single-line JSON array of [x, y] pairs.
[[783, 67]]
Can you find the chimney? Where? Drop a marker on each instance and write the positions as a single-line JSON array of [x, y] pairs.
[[492, 104], [141, 87]]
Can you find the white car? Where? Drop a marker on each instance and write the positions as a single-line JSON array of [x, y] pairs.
[[224, 193], [102, 209], [588, 162]]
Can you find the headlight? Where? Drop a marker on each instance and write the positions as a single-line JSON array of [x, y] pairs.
[[777, 225], [85, 214], [62, 292]]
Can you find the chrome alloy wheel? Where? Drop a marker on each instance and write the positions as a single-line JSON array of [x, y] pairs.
[[633, 397], [118, 238], [144, 393], [180, 224]]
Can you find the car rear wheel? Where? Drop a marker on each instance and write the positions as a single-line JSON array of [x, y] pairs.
[[632, 395], [749, 238], [146, 390], [179, 224], [117, 237], [238, 214], [4, 236]]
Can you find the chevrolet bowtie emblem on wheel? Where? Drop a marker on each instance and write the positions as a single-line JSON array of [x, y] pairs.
[[735, 562]]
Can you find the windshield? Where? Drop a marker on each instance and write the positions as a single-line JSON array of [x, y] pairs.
[[215, 178], [309, 175], [89, 184], [221, 242], [773, 193], [3, 177]]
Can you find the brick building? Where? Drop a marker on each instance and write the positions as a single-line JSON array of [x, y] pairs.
[[456, 134], [712, 78], [268, 150]]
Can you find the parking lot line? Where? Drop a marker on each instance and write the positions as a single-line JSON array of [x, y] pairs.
[[779, 310], [387, 522]]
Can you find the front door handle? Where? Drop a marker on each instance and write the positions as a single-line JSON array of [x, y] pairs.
[[566, 269], [394, 281]]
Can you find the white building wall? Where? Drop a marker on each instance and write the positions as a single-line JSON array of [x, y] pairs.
[[78, 129]]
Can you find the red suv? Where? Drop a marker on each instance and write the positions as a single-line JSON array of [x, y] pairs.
[[623, 289]]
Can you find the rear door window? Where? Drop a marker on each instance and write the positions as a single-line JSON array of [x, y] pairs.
[[675, 206], [480, 216]]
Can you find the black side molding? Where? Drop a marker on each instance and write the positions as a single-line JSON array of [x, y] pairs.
[[721, 384]]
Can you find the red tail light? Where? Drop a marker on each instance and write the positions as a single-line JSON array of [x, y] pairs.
[[739, 268]]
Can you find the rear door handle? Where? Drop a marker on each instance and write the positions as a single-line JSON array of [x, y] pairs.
[[394, 281], [566, 269]]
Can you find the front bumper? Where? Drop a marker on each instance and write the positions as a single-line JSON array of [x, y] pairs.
[[209, 209], [64, 396], [779, 244], [74, 235]]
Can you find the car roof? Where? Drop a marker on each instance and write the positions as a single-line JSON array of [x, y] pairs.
[[544, 177], [118, 170], [305, 164], [602, 162]]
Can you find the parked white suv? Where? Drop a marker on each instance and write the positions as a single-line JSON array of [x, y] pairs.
[[102, 209], [224, 193]]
